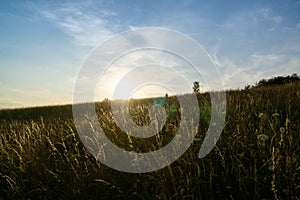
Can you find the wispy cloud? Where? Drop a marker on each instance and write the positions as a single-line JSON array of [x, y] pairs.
[[85, 27], [277, 19], [49, 15], [268, 16], [257, 67]]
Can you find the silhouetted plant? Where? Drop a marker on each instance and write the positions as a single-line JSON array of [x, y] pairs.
[[196, 87]]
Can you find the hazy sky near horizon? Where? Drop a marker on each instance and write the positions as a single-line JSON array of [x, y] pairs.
[[44, 43]]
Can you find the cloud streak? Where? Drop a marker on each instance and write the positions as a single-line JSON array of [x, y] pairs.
[[83, 27], [257, 67], [273, 18]]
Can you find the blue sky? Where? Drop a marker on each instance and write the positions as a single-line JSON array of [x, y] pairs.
[[44, 43]]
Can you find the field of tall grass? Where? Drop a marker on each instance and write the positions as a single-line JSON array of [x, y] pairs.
[[256, 157]]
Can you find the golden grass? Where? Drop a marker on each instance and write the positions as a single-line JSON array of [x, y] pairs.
[[257, 156]]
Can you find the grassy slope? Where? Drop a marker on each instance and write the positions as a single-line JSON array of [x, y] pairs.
[[41, 156]]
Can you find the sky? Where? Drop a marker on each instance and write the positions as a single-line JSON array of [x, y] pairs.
[[44, 44]]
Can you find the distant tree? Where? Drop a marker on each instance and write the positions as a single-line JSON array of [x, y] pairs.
[[196, 87], [279, 80], [247, 87], [106, 99]]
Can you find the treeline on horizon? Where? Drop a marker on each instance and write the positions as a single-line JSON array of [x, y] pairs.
[[278, 80]]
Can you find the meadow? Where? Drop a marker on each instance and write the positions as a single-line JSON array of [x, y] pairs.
[[256, 157]]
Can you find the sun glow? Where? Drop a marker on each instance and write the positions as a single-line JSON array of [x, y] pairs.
[[145, 73], [151, 90], [128, 89]]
